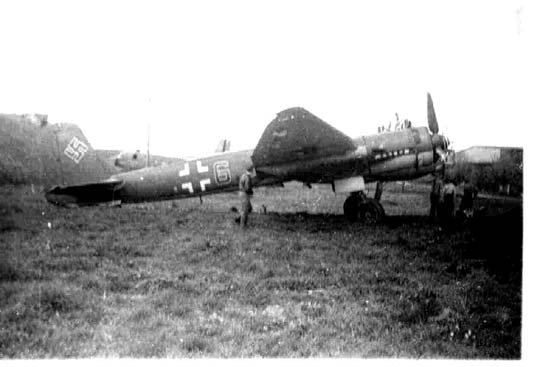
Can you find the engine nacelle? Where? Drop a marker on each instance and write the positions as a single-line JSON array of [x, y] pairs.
[[400, 155]]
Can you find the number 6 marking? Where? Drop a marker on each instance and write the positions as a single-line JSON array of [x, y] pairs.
[[222, 172]]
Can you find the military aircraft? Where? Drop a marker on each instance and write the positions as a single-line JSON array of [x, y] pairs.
[[34, 151], [296, 145], [134, 160]]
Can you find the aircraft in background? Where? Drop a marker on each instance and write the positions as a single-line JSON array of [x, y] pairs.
[[296, 145], [127, 161], [34, 151], [131, 161]]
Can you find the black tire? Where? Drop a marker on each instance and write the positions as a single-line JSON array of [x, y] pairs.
[[371, 211]]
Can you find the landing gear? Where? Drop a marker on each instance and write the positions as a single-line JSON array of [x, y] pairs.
[[358, 207], [378, 191]]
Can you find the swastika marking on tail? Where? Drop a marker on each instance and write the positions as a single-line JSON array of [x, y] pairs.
[[75, 150]]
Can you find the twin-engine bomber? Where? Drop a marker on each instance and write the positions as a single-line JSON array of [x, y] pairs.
[[296, 145]]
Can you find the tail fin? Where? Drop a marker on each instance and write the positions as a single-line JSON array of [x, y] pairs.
[[77, 161], [47, 154], [223, 146]]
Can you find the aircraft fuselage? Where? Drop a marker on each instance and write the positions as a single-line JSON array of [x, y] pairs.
[[390, 156], [399, 155], [219, 173], [295, 146]]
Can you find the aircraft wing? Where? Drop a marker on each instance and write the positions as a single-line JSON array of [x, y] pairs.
[[298, 145], [85, 194]]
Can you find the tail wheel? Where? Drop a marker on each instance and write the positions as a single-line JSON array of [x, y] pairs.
[[371, 211]]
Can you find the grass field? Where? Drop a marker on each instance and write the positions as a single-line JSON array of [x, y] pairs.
[[180, 279]]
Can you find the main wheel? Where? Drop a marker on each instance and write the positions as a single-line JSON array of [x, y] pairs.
[[371, 211]]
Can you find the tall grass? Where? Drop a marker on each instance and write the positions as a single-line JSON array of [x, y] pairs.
[[182, 280]]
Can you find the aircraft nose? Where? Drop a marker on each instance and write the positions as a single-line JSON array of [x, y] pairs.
[[440, 142]]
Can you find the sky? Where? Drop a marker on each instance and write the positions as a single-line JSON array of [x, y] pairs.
[[200, 71], [195, 72]]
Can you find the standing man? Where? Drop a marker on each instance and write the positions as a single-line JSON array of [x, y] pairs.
[[245, 187], [435, 198], [469, 194], [449, 198]]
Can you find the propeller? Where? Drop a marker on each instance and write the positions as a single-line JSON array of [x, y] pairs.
[[440, 142], [440, 146], [432, 118]]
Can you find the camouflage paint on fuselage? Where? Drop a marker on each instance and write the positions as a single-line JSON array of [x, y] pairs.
[[203, 176], [47, 154], [399, 155], [296, 145]]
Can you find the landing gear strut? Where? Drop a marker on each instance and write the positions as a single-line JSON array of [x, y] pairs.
[[358, 207], [378, 191]]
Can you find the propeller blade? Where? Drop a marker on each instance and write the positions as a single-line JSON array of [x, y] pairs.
[[432, 118]]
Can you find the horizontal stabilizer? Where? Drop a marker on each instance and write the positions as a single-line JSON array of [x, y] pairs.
[[298, 135], [85, 194]]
